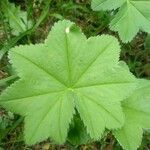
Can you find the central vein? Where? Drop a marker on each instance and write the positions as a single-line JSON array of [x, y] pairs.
[[68, 55]]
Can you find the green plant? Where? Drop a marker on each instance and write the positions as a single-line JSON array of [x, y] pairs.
[[111, 105], [133, 15], [137, 116], [18, 21], [16, 18], [65, 73]]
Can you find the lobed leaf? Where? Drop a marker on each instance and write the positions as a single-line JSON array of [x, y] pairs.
[[133, 15], [137, 117], [77, 133], [65, 73]]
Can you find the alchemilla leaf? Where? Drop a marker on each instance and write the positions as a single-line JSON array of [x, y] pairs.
[[133, 15], [106, 4], [137, 117], [65, 73]]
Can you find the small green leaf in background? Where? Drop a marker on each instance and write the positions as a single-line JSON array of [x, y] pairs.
[[77, 134], [137, 117], [27, 29], [98, 5], [133, 15], [65, 73], [16, 18]]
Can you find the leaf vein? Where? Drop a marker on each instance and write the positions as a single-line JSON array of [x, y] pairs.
[[92, 62], [41, 68], [91, 99], [103, 84], [44, 116], [32, 96]]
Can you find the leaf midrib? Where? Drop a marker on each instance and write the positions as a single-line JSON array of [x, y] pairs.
[[32, 96], [44, 116], [90, 120], [103, 84], [92, 62], [132, 3], [41, 68], [50, 92], [93, 100], [114, 24], [68, 60]]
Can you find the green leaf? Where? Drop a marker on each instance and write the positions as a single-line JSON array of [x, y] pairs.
[[137, 117], [65, 73], [17, 19], [77, 134], [106, 4], [133, 15]]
